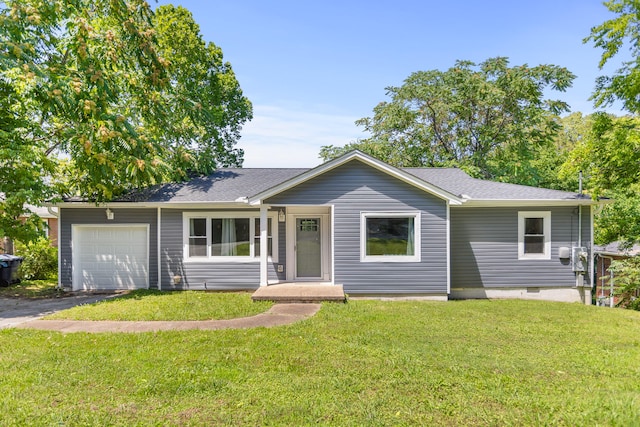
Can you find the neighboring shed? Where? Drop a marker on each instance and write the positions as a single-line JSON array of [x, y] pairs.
[[604, 278]]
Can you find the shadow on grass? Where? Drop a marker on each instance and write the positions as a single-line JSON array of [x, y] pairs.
[[34, 289]]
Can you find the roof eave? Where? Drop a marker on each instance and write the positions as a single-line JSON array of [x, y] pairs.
[[531, 202], [167, 205]]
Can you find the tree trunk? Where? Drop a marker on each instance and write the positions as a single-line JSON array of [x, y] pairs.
[[7, 245]]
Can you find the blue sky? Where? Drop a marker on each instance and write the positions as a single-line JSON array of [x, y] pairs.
[[311, 68]]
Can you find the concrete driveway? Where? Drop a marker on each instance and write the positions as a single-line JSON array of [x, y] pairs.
[[14, 311]]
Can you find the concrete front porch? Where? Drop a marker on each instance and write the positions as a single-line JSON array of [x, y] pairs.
[[299, 293]]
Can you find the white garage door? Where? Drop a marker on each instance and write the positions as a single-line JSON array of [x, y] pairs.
[[110, 257]]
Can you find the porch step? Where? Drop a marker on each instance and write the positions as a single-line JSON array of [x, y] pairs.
[[299, 293]]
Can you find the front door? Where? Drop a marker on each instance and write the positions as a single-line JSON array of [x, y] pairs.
[[308, 248]]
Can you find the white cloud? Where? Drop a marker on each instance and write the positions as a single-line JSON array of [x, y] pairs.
[[285, 137]]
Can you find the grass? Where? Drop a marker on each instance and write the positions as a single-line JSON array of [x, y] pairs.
[[33, 289], [157, 305], [363, 363]]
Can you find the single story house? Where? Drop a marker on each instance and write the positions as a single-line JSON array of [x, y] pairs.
[[50, 218], [356, 221]]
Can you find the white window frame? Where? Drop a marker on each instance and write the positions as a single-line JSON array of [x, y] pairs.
[[252, 216], [546, 218], [390, 258]]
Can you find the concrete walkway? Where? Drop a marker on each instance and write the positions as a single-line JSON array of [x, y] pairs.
[[279, 314], [14, 311]]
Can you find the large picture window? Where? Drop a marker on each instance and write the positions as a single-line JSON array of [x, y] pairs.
[[534, 235], [227, 236], [390, 237]]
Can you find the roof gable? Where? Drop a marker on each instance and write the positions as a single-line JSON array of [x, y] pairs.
[[349, 157]]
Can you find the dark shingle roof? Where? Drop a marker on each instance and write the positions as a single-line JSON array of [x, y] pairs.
[[224, 185], [459, 183], [228, 185]]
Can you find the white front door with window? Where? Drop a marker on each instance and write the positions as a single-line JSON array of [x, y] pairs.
[[308, 248]]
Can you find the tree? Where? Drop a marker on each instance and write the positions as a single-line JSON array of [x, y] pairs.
[[105, 86], [613, 154], [611, 36], [488, 118], [215, 106], [610, 157], [547, 161], [22, 173]]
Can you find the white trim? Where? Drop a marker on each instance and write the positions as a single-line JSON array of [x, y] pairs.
[[159, 247], [332, 259], [546, 216], [448, 249], [208, 215], [163, 205], [75, 249], [326, 246], [60, 253], [592, 255], [264, 243], [368, 160], [470, 203], [390, 258]]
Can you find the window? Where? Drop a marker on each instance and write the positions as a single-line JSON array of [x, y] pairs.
[[226, 236], [534, 235], [390, 237], [256, 237], [198, 237], [230, 237]]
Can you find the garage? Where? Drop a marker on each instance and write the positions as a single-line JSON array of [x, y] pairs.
[[110, 257]]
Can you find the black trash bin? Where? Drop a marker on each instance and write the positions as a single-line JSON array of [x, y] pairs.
[[9, 265]]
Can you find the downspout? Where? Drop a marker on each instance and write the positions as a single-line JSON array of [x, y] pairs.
[[60, 252], [56, 214], [580, 212], [611, 280], [579, 274]]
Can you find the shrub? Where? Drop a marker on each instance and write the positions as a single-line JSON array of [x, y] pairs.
[[40, 259], [627, 276]]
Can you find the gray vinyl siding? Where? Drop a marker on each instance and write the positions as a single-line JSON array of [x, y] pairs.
[[208, 275], [354, 188], [70, 216], [484, 248]]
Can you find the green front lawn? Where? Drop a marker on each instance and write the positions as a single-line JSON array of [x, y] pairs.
[[361, 363], [159, 305]]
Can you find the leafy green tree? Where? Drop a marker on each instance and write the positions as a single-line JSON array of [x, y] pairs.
[[610, 159], [611, 36], [126, 97], [211, 107], [612, 155], [627, 274], [546, 162], [489, 119]]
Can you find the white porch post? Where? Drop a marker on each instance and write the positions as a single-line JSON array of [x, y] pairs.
[[264, 245]]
